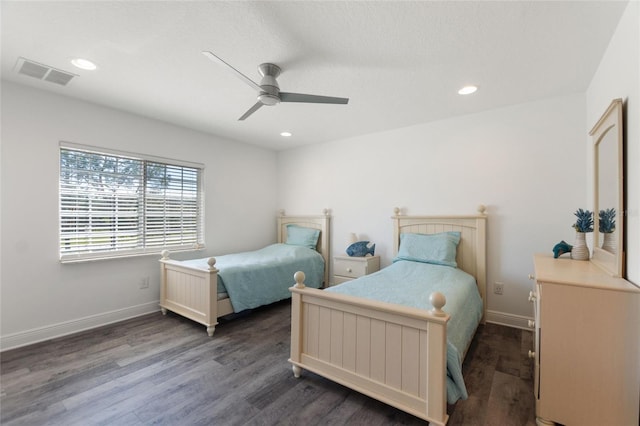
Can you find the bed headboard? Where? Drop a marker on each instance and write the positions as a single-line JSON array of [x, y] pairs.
[[321, 222], [471, 254]]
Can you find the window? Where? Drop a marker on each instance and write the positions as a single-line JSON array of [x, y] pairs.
[[115, 204]]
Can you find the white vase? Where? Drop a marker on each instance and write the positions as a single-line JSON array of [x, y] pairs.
[[609, 242], [580, 251]]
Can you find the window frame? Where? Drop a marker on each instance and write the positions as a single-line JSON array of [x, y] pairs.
[[143, 247]]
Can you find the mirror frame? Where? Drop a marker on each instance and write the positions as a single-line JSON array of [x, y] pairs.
[[611, 121]]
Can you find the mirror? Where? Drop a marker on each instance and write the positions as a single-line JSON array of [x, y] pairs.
[[608, 226]]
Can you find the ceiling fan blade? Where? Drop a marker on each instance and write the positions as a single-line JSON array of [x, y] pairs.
[[238, 74], [313, 99], [251, 111]]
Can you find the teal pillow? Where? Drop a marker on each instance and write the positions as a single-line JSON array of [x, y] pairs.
[[439, 249], [301, 236]]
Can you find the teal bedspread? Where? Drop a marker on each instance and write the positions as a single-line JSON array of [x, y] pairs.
[[411, 283], [260, 277]]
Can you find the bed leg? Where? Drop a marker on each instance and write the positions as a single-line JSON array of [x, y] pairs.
[[210, 330], [164, 311], [296, 371]]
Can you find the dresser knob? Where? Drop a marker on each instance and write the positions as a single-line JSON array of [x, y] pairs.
[[532, 296], [532, 354], [532, 323], [349, 270]]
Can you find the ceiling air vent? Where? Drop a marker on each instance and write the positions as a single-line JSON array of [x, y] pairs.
[[43, 72]]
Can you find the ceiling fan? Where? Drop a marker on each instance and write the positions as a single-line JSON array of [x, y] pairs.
[[268, 90]]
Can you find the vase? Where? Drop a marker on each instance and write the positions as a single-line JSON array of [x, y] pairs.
[[609, 242], [580, 251]]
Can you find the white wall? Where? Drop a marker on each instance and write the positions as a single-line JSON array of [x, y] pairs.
[[42, 298], [525, 162], [618, 76]]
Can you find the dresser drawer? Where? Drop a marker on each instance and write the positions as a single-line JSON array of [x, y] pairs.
[[349, 268], [339, 280]]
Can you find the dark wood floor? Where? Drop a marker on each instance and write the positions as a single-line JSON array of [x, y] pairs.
[[156, 370]]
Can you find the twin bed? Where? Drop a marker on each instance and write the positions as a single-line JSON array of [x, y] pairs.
[[206, 289], [385, 335]]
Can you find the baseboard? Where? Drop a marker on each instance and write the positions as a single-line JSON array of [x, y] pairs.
[[510, 320], [40, 334], [35, 335]]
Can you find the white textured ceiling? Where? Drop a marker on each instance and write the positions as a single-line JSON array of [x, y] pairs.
[[400, 63]]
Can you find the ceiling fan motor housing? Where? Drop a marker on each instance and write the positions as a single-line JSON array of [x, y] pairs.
[[270, 88]]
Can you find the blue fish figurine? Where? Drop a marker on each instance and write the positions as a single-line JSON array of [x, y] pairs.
[[561, 248], [361, 249]]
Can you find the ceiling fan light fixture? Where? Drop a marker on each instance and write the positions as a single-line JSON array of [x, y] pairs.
[[467, 90], [84, 64], [268, 99]]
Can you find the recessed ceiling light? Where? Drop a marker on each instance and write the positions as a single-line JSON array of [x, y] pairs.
[[467, 90], [84, 64], [285, 134]]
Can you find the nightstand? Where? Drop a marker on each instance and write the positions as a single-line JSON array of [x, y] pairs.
[[346, 268]]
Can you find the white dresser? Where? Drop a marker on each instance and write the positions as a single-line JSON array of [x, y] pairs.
[[587, 345], [346, 268]]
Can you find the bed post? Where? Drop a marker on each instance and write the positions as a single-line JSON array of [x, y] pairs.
[[296, 312], [163, 280], [437, 366], [396, 231], [326, 247], [481, 258], [436, 373], [212, 295]]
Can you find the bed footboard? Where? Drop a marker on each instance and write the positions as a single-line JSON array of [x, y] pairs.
[[391, 353], [190, 291]]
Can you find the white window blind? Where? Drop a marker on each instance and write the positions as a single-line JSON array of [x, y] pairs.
[[114, 205]]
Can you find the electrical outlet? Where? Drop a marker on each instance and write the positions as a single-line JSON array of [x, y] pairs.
[[144, 283], [498, 288]]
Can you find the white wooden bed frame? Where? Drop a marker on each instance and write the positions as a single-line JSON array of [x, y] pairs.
[[192, 292], [392, 353]]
